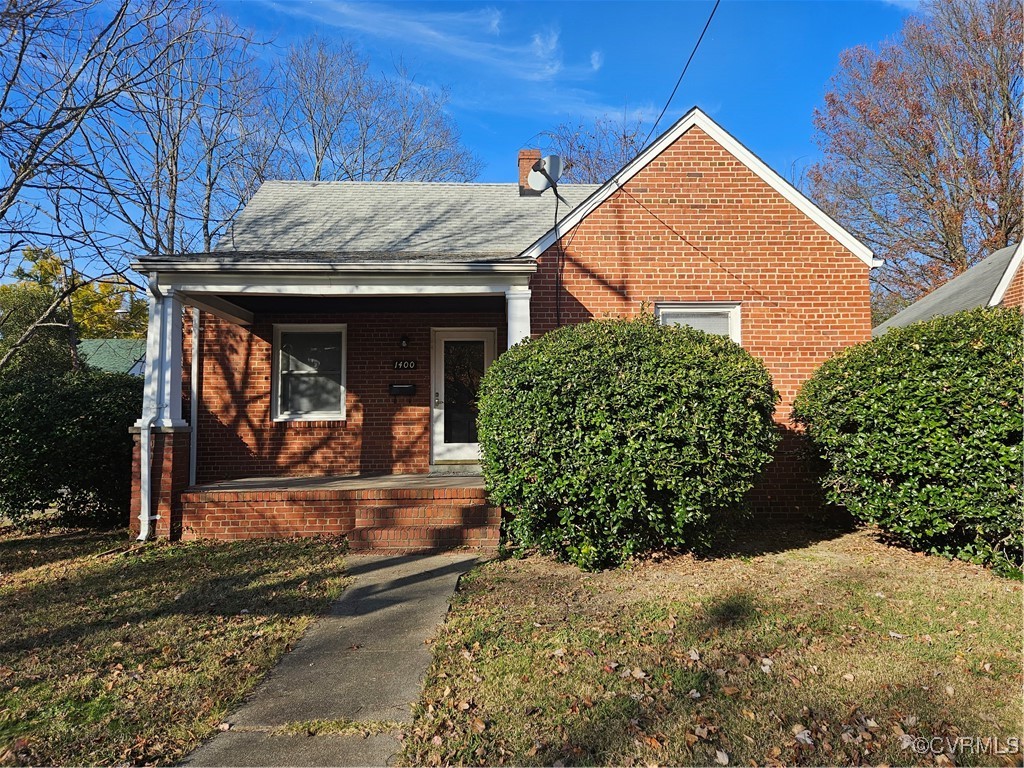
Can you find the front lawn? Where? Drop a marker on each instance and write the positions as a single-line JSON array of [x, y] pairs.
[[834, 649], [116, 654]]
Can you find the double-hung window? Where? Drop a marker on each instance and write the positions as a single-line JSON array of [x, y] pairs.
[[717, 317], [309, 373]]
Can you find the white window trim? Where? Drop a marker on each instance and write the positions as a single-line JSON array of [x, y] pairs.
[[275, 376], [705, 307]]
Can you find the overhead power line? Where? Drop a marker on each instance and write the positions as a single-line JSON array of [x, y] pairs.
[[683, 73]]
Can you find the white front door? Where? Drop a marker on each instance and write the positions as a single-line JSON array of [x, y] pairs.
[[458, 360]]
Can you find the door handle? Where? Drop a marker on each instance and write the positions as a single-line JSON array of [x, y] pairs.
[[438, 402]]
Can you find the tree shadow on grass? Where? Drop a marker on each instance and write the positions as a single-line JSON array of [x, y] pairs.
[[752, 536], [146, 584], [20, 551]]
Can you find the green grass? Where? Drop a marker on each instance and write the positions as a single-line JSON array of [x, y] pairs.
[[808, 651], [118, 654]]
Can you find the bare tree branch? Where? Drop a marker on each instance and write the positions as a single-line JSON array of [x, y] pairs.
[[922, 143]]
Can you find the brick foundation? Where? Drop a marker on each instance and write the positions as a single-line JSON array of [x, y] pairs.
[[413, 520], [168, 479]]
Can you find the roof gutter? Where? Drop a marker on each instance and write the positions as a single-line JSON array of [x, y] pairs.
[[230, 265]]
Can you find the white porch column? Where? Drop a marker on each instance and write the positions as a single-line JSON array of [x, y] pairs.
[[169, 411], [162, 390], [153, 369], [517, 310]]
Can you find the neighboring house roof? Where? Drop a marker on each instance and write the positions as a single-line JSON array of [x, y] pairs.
[[983, 285], [114, 355], [363, 222]]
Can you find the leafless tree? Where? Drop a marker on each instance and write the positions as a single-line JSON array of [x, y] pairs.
[[63, 62], [181, 157], [127, 131], [340, 121], [922, 142], [595, 150]]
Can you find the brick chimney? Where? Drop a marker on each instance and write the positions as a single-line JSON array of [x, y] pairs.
[[527, 157]]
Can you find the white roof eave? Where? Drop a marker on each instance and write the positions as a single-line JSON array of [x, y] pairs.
[[696, 118]]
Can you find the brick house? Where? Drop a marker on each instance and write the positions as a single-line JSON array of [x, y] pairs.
[[316, 372]]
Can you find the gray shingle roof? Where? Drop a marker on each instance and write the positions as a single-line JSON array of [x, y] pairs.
[[968, 290], [392, 221]]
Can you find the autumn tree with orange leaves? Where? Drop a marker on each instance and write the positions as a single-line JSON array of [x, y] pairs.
[[922, 144]]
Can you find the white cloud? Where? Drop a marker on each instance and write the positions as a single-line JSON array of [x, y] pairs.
[[462, 35], [494, 26], [907, 5], [596, 60]]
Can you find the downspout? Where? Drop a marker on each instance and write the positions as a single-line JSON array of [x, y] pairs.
[[193, 417], [146, 449]]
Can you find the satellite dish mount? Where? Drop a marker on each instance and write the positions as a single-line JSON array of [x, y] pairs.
[[545, 175]]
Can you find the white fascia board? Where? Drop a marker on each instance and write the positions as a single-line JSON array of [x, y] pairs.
[[326, 268], [284, 283], [1007, 278], [696, 118]]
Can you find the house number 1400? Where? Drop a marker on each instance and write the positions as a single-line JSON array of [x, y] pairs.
[[404, 365]]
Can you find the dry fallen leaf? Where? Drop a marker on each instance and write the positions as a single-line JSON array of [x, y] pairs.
[[721, 757], [730, 690], [479, 725]]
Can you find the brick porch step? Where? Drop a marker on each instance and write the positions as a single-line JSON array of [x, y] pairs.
[[423, 539], [394, 512]]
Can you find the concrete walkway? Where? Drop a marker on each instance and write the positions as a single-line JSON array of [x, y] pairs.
[[363, 663]]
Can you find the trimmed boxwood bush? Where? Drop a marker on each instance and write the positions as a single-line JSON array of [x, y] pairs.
[[615, 437], [921, 433], [65, 447]]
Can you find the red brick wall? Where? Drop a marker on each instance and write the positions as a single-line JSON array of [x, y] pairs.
[[697, 225], [168, 478], [1014, 296], [237, 438]]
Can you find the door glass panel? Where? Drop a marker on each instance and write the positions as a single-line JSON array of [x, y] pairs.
[[463, 369]]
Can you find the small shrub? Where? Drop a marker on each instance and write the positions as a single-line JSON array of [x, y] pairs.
[[615, 437], [65, 447], [921, 433]]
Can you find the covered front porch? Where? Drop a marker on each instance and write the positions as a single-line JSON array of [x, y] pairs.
[[328, 401]]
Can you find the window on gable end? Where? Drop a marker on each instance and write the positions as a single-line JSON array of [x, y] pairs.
[[716, 317]]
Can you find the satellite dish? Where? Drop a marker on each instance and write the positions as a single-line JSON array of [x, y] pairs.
[[545, 173]]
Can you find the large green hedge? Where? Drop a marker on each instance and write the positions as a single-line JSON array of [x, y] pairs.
[[921, 433], [615, 437], [65, 447]]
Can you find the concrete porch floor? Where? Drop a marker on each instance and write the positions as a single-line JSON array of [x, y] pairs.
[[368, 481]]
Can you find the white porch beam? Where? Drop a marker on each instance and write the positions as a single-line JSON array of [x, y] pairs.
[[517, 309], [221, 307], [301, 288]]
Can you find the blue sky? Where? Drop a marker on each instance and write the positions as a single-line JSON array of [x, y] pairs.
[[516, 69]]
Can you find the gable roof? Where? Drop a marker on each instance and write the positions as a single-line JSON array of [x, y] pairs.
[[696, 118], [113, 355], [351, 221], [983, 285]]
